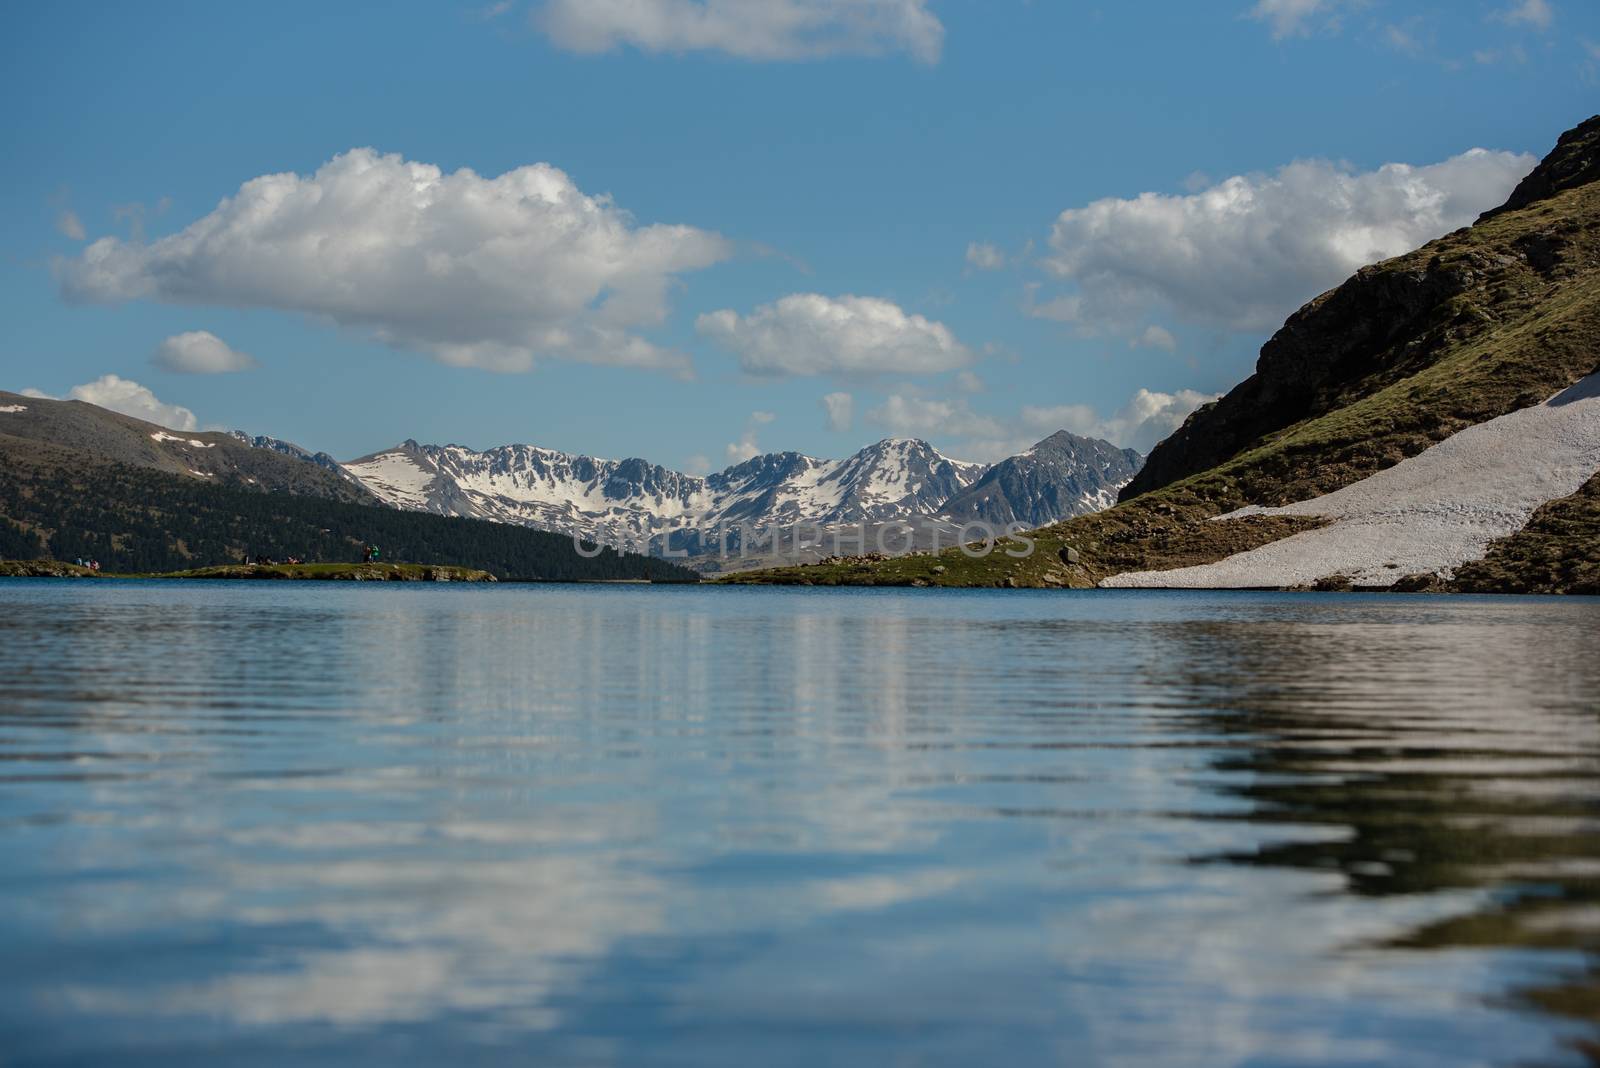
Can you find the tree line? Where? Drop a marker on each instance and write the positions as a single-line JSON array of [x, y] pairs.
[[134, 519]]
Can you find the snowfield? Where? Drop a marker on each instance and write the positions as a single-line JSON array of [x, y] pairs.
[[395, 478], [196, 443], [1425, 515]]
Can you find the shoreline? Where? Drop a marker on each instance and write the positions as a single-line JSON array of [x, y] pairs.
[[373, 572]]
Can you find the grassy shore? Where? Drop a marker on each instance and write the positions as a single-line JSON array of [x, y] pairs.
[[377, 572]]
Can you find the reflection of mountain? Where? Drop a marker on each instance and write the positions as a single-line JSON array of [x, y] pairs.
[[1413, 775]]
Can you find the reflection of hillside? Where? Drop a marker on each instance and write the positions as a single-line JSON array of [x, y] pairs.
[[1417, 741]]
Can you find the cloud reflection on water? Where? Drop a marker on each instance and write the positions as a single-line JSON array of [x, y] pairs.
[[1139, 829]]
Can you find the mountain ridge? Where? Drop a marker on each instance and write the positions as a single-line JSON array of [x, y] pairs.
[[1042, 485], [631, 500], [621, 503], [91, 434]]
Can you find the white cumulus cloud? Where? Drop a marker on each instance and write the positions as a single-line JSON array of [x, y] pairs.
[[841, 409], [1246, 252], [912, 415], [484, 272], [748, 29], [130, 398], [810, 334], [1145, 419], [200, 352]]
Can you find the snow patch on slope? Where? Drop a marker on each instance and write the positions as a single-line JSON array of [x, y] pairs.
[[1426, 515], [161, 435], [396, 478]]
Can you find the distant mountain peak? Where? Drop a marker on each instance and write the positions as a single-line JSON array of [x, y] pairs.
[[1061, 476], [896, 478]]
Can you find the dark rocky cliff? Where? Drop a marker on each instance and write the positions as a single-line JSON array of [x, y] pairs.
[[1574, 161]]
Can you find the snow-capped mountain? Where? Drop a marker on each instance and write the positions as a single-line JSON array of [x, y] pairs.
[[1063, 475], [894, 478], [606, 501], [631, 501]]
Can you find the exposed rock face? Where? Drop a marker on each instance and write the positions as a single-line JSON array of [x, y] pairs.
[[1394, 319], [289, 448], [1380, 325], [1574, 162], [1063, 476], [626, 501]]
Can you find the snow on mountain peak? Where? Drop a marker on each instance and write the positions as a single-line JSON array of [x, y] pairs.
[[631, 500]]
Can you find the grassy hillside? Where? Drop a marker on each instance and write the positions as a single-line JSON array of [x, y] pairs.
[[1482, 322], [135, 519], [1392, 320], [33, 430], [1557, 552]]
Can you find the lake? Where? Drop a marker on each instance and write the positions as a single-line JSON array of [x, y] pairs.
[[275, 823]]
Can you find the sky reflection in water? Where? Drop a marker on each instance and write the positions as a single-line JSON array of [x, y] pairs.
[[667, 825]]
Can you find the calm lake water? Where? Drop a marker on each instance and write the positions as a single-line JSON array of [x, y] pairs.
[[300, 823]]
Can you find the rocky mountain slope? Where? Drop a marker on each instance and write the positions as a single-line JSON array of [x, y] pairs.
[[1510, 272], [626, 502], [289, 448], [1493, 319], [77, 435], [1064, 475]]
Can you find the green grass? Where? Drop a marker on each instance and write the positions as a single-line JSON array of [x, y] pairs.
[[1557, 552]]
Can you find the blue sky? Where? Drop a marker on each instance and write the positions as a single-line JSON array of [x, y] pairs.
[[929, 211]]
